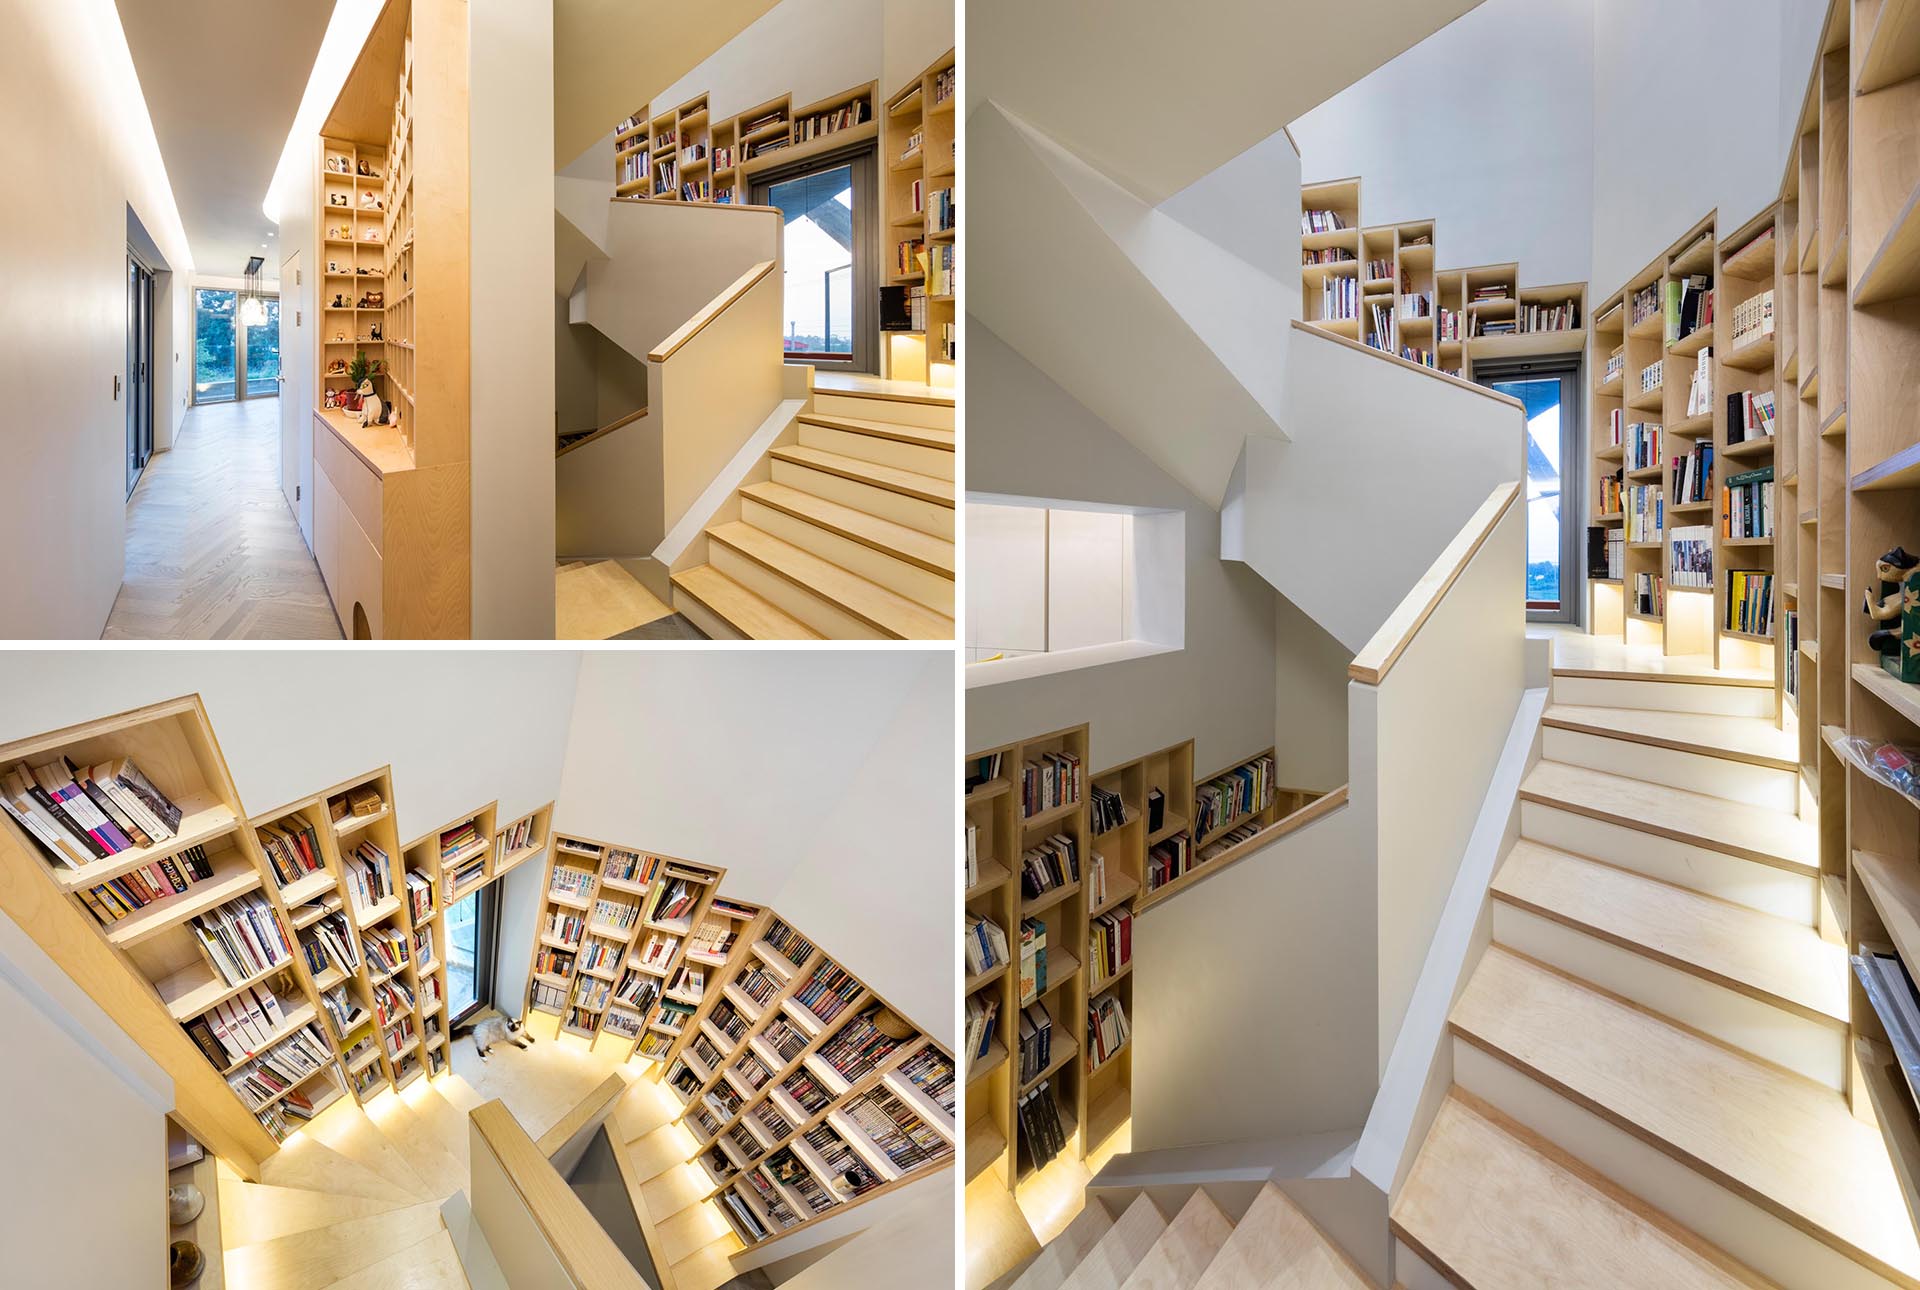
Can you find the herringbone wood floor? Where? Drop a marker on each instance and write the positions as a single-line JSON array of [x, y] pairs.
[[213, 552]]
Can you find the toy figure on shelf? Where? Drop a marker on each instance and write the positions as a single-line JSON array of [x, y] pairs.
[[369, 404], [1897, 604]]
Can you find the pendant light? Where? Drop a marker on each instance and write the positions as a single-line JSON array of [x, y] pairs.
[[253, 308]]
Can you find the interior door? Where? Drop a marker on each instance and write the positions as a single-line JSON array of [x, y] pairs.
[[139, 380], [296, 417]]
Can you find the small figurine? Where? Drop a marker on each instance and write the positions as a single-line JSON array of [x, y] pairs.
[[369, 404], [373, 332], [1897, 604]]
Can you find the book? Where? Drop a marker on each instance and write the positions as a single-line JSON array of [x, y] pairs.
[[1109, 944], [1746, 504], [1692, 556], [1036, 1042], [1750, 602], [1107, 1029]]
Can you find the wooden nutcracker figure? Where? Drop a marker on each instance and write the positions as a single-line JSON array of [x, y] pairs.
[[1898, 605]]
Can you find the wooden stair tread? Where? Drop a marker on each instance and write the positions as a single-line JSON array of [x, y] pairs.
[[1755, 740], [747, 612], [1784, 1142], [1059, 1257], [911, 483], [1276, 1247], [1181, 1255], [326, 1255], [920, 435], [1751, 832], [1120, 1248], [1772, 959], [1491, 1206], [883, 610], [934, 554]]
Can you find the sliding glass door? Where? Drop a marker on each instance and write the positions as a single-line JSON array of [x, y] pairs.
[[232, 360], [1549, 391], [471, 927], [832, 300], [139, 392]]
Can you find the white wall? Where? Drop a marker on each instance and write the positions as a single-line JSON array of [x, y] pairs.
[[1524, 129], [777, 765], [512, 377], [84, 135], [89, 1120], [915, 32], [460, 728], [1487, 128]]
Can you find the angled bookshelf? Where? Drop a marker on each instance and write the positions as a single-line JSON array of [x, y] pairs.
[[805, 1090], [1381, 285], [921, 207]]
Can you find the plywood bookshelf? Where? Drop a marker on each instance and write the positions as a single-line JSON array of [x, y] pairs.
[[608, 960], [390, 501], [921, 184], [1380, 284], [445, 861], [802, 1109]]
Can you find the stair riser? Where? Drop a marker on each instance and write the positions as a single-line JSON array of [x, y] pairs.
[[1815, 1049], [909, 580], [1414, 1273], [1744, 882], [885, 452], [931, 416], [827, 619], [1742, 1229], [884, 502], [705, 619], [1737, 781], [1663, 696]]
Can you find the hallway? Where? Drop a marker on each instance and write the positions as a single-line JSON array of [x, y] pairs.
[[213, 552]]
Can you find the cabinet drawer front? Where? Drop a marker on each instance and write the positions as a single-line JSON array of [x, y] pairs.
[[359, 487]]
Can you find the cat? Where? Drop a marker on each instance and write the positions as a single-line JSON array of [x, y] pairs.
[[495, 1030]]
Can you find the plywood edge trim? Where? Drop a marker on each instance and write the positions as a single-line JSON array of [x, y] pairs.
[[1376, 659], [603, 1095], [601, 433], [712, 310]]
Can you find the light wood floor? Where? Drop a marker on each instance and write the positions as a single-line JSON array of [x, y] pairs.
[[597, 600], [213, 552], [1573, 648]]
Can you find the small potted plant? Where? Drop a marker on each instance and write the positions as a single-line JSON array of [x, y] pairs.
[[357, 372]]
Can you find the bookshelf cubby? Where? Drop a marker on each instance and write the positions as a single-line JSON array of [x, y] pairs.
[[918, 162], [1380, 284], [799, 1108]]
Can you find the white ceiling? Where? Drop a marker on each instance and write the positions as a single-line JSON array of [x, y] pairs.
[[222, 80], [1157, 95]]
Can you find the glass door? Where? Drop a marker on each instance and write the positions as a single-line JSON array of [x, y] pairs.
[[831, 297], [471, 928], [216, 346], [261, 345], [139, 392], [1548, 390]]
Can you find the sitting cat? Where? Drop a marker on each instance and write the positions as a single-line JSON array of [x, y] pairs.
[[494, 1029]]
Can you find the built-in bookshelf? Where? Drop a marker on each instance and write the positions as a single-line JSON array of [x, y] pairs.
[[805, 1090], [689, 154], [1380, 285], [390, 498], [1816, 313], [444, 866], [611, 953], [922, 214]]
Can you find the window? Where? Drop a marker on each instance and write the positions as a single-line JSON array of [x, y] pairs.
[[472, 925], [1052, 587], [231, 361], [832, 298], [1548, 390]]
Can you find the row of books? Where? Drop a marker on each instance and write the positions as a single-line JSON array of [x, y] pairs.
[[369, 872], [1109, 944], [1749, 415], [1106, 810], [515, 837], [1380, 334], [1606, 553], [243, 938], [330, 943], [292, 848], [1339, 298], [1036, 1042], [1649, 595], [79, 814], [986, 945], [116, 898], [1042, 1135], [931, 1071], [618, 914], [1616, 363], [569, 881], [549, 998], [386, 950], [1692, 556], [903, 1137], [859, 1046], [235, 1029], [457, 839], [1652, 376], [1322, 222], [983, 1014], [1054, 780], [1689, 305], [342, 1007], [659, 950], [391, 1000], [1645, 516], [942, 263], [806, 129], [289, 1063], [1055, 863], [1244, 790], [419, 896], [630, 867], [1328, 255], [828, 991], [1491, 292], [1641, 442], [1538, 318], [1750, 601], [1700, 385], [1168, 859], [566, 927], [673, 898], [1608, 501], [1645, 303], [1379, 270], [1746, 504], [1033, 959], [1753, 319], [1107, 1029], [1693, 474]]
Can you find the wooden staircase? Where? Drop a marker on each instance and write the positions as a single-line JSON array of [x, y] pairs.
[[1199, 1246], [354, 1201], [850, 537], [1649, 1062]]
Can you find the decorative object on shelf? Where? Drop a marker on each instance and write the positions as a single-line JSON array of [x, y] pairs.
[[336, 199], [185, 1263], [1898, 602], [357, 372], [369, 404]]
